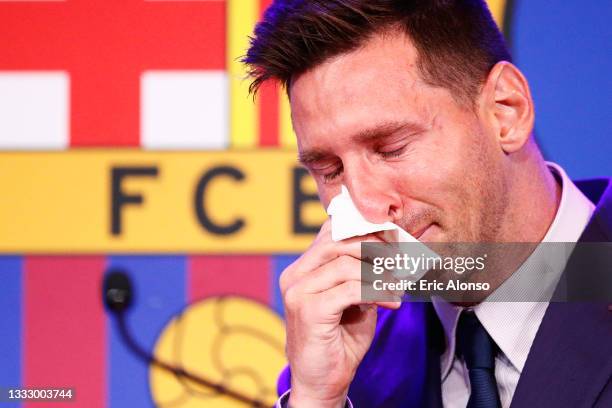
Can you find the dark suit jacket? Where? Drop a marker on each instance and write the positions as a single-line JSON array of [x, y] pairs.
[[569, 364]]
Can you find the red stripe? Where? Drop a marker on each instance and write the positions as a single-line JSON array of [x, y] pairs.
[[269, 118], [105, 46], [247, 276], [269, 115], [64, 328]]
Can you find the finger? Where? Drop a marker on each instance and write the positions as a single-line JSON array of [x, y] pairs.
[[390, 305], [334, 301], [338, 271], [328, 251], [334, 273]]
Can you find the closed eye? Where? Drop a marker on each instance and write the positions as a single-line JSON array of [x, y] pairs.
[[392, 153], [330, 176]]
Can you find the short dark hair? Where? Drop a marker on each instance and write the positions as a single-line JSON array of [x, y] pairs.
[[457, 41]]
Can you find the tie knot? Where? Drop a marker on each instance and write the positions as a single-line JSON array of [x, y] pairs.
[[474, 343]]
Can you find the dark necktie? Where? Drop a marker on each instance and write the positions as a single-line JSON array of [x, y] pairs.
[[478, 351]]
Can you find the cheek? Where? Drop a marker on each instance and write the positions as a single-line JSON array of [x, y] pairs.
[[437, 171], [445, 174], [456, 150], [327, 192]]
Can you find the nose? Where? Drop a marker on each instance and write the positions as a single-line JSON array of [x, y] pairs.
[[372, 192]]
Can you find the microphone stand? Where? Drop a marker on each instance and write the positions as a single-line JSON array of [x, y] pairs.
[[117, 298]]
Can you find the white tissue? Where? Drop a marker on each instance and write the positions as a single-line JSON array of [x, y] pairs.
[[347, 222]]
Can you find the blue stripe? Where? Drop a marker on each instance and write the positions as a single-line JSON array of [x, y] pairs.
[[159, 294], [564, 51], [279, 263], [10, 324]]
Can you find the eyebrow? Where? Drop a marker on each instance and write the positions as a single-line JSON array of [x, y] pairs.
[[377, 132], [384, 130], [311, 156]]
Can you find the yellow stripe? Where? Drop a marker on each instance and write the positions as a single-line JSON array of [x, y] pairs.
[[62, 202], [244, 123], [498, 9], [287, 135]]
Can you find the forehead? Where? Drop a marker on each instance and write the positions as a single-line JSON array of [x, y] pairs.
[[378, 79]]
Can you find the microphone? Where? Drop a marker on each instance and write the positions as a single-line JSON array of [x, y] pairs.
[[117, 291], [117, 295]]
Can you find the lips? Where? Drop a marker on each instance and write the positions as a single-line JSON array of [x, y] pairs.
[[417, 234]]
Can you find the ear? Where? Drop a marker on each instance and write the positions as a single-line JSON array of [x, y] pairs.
[[507, 103]]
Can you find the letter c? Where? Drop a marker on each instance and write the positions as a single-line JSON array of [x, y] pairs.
[[203, 217]]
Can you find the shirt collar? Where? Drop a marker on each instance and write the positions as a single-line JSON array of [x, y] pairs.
[[575, 210], [513, 325]]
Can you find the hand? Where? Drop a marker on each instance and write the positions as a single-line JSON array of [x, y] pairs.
[[328, 332]]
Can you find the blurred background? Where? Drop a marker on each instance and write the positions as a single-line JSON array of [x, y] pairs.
[[129, 142]]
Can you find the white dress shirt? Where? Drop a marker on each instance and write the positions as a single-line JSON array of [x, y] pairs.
[[512, 325]]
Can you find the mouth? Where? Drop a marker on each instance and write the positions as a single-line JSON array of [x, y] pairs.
[[419, 233]]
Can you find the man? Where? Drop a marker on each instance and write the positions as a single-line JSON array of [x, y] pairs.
[[415, 107]]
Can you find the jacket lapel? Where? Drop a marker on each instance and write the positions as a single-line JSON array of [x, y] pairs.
[[570, 361], [432, 395]]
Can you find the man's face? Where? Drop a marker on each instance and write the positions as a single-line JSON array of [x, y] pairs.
[[408, 152]]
